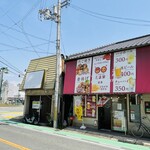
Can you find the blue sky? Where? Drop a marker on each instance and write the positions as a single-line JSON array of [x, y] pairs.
[[85, 24]]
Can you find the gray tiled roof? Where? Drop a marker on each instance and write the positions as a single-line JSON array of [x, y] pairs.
[[123, 45]]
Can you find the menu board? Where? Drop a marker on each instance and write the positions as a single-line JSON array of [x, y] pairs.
[[83, 73], [101, 74], [90, 110], [124, 71]]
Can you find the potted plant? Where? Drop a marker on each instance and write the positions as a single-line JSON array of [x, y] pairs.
[[49, 119]]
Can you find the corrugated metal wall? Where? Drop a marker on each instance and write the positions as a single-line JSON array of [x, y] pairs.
[[47, 64]]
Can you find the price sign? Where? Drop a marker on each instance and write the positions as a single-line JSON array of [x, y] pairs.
[[124, 71]]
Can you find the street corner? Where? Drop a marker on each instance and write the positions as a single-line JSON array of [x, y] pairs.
[[11, 115]]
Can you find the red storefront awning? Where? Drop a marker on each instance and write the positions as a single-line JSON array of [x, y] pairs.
[[143, 70], [70, 74]]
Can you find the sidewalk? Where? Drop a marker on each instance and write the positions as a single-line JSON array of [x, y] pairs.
[[118, 136]]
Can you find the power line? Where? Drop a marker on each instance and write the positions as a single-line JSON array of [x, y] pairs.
[[16, 23], [97, 15], [26, 36], [63, 44], [24, 48], [29, 41], [11, 64], [50, 34], [31, 35], [16, 70], [109, 16], [15, 4]]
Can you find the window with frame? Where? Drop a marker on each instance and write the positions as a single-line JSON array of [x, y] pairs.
[[89, 106], [134, 108]]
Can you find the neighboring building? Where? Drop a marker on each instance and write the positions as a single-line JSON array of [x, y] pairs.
[[39, 86], [5, 91], [109, 87], [10, 92]]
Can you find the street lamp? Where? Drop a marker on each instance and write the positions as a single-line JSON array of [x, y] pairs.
[[2, 71]]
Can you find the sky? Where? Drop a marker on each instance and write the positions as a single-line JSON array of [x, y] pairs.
[[85, 24]]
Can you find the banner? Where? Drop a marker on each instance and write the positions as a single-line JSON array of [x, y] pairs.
[[124, 71], [101, 74], [78, 107], [83, 73]]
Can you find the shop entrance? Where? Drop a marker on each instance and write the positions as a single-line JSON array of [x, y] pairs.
[[68, 108], [41, 105], [119, 113], [104, 116]]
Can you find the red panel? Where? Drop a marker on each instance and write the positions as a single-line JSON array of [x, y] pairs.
[[143, 70], [111, 72], [70, 75]]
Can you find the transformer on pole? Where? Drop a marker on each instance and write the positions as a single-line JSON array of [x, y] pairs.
[[55, 15]]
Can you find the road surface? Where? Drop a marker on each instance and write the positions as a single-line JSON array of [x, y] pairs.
[[16, 135]]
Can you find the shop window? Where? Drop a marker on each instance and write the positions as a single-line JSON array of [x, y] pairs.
[[147, 107], [89, 106], [134, 102]]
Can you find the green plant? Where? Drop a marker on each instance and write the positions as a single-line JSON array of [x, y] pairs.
[[49, 119]]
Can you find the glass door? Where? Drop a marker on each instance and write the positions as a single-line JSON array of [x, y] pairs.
[[119, 113]]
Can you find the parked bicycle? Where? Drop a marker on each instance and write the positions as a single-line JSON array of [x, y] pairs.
[[139, 128], [31, 119]]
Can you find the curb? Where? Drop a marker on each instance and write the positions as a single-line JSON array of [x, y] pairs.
[[112, 137]]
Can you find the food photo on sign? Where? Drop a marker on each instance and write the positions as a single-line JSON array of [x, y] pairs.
[[82, 69], [101, 74], [83, 87], [83, 72]]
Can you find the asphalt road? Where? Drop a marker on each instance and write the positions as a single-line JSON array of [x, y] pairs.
[[12, 138], [16, 135]]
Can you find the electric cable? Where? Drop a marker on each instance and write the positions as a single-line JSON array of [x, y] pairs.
[[21, 20], [50, 34], [63, 44], [19, 48], [12, 7], [31, 35], [11, 67], [29, 41], [97, 15], [109, 16], [22, 28]]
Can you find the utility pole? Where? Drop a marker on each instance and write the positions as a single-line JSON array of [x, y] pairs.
[[2, 71], [47, 14]]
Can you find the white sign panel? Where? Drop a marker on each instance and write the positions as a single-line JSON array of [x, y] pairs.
[[83, 73], [35, 104], [124, 71], [34, 80], [101, 74]]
